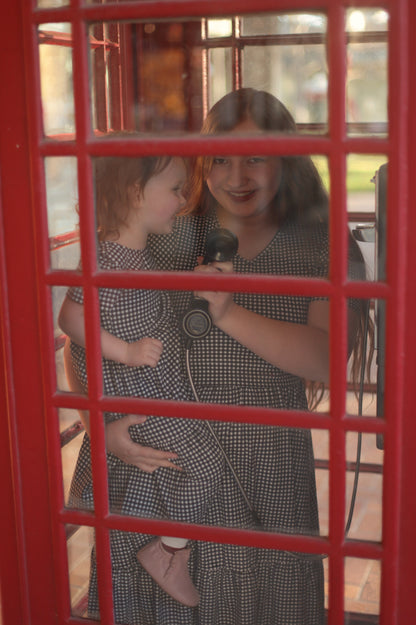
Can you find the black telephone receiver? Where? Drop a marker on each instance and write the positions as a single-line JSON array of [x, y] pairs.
[[221, 245]]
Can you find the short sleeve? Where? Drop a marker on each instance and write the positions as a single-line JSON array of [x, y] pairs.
[[76, 294]]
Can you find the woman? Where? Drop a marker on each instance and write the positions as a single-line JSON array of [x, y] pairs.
[[259, 353]]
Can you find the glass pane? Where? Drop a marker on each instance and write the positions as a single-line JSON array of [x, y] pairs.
[[62, 204], [165, 65], [52, 4], [72, 433], [366, 197], [320, 440], [219, 74], [361, 177], [295, 74], [364, 485], [55, 55], [359, 20], [80, 540], [280, 24], [321, 164], [58, 294], [367, 87], [219, 28], [362, 590]]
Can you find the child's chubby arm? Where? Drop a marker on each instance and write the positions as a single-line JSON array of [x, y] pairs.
[[146, 351], [117, 434]]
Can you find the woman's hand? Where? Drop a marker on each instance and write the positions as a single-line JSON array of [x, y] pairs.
[[119, 442], [220, 302]]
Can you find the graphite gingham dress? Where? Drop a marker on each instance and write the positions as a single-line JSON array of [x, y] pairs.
[[132, 314], [239, 585], [243, 585]]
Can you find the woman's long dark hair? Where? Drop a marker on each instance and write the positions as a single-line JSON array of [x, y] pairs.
[[301, 197]]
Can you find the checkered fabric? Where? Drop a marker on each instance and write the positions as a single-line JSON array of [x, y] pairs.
[[238, 585], [132, 314]]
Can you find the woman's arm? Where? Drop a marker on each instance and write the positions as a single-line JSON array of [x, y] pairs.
[[300, 349], [147, 351]]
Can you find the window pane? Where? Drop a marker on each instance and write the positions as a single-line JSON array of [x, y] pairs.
[[79, 544], [52, 4], [366, 196], [367, 86], [219, 28], [62, 199], [219, 73], [320, 440], [280, 24], [362, 589], [359, 20], [61, 194], [297, 75], [364, 486], [55, 53]]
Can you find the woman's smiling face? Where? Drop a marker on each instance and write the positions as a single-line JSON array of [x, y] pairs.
[[245, 186]]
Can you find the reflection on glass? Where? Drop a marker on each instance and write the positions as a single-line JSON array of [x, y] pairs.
[[380, 344], [367, 58], [359, 20], [165, 70], [295, 74], [321, 164], [281, 24], [58, 293], [367, 87], [220, 73], [362, 370], [363, 196], [320, 439], [364, 485], [61, 194], [80, 540], [55, 57], [219, 28], [52, 4], [71, 432], [362, 589], [178, 69]]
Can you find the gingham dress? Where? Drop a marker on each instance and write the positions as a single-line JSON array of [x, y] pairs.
[[132, 314], [242, 585]]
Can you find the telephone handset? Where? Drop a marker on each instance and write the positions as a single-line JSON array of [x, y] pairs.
[[221, 245]]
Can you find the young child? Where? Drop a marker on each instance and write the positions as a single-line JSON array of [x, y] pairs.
[[136, 197]]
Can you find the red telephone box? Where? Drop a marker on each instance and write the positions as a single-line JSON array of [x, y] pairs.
[[34, 522]]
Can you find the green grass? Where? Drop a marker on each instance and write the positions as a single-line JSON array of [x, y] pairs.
[[360, 170]]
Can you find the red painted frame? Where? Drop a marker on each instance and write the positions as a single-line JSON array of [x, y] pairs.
[[32, 537]]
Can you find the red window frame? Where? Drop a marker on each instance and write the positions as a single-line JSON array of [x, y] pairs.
[[34, 561]]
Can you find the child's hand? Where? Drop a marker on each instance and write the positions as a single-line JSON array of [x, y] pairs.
[[147, 351]]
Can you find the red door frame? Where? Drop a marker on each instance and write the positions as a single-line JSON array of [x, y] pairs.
[[30, 547]]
